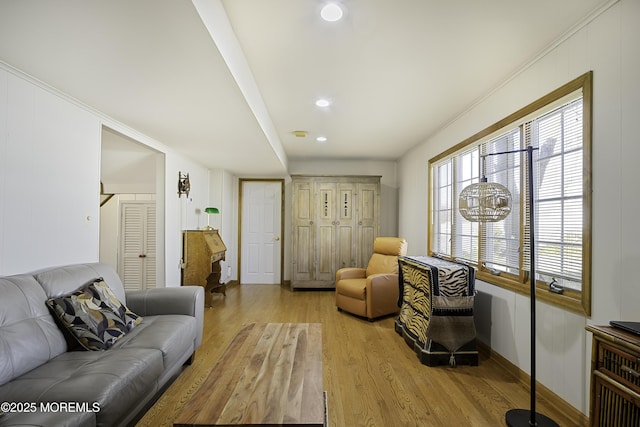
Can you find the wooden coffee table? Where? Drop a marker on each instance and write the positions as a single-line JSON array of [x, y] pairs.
[[270, 375]]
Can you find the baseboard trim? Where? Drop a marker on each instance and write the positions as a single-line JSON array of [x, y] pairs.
[[522, 377]]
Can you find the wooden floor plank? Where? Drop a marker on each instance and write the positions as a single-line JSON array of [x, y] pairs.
[[372, 378]]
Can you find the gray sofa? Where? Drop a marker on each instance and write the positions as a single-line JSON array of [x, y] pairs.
[[47, 385]]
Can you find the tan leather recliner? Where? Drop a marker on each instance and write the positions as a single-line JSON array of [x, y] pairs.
[[373, 291]]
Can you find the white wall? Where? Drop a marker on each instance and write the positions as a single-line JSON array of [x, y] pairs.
[[49, 196], [223, 196], [182, 213], [50, 176], [126, 166], [608, 46]]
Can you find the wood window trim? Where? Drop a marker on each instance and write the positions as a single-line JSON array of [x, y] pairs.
[[579, 302]]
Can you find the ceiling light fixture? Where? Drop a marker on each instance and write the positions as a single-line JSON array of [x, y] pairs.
[[321, 139], [331, 12], [323, 103]]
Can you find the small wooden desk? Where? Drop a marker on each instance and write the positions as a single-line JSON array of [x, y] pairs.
[[202, 251], [270, 375]]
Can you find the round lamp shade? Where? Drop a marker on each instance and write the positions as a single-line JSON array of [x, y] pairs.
[[484, 202]]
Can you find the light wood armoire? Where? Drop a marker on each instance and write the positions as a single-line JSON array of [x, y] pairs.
[[335, 221]]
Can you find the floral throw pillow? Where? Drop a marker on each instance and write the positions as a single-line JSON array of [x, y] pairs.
[[94, 316], [130, 319]]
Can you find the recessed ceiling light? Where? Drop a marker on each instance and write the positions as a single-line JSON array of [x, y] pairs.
[[331, 12], [323, 103], [321, 139]]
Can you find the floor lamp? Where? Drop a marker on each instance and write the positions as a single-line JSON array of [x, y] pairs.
[[491, 202]]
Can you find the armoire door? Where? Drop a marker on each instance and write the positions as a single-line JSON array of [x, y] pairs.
[[346, 227], [303, 239], [326, 221], [137, 260], [335, 221], [367, 226]]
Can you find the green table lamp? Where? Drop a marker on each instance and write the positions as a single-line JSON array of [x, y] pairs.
[[209, 212]]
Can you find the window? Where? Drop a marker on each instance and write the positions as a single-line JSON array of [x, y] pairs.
[[558, 127]]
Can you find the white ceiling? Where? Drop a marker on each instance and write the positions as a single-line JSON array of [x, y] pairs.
[[227, 82]]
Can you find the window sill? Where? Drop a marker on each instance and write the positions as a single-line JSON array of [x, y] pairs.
[[570, 300]]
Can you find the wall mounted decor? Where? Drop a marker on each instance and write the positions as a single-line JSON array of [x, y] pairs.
[[183, 184]]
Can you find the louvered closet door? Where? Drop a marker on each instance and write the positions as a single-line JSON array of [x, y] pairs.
[[137, 262]]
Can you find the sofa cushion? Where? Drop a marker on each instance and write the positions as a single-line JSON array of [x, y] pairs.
[[29, 335], [94, 316], [172, 334], [64, 280], [353, 288], [113, 379]]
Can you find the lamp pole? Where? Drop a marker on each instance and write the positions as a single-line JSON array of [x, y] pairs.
[[484, 202], [524, 417]]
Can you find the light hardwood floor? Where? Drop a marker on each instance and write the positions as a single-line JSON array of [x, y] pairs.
[[371, 376]]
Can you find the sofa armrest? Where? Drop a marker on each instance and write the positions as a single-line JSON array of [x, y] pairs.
[[351, 273], [186, 300]]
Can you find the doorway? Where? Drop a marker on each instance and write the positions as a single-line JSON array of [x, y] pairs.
[[261, 225], [132, 176]]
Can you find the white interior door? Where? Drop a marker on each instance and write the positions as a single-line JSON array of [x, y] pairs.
[[261, 234]]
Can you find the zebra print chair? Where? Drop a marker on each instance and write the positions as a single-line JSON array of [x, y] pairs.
[[373, 291]]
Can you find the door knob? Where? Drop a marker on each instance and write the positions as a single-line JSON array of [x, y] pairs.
[[276, 238]]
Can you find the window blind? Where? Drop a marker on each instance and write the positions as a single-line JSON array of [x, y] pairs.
[[465, 235], [559, 194], [501, 240], [503, 247]]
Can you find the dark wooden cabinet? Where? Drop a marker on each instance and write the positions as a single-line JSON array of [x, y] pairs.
[[202, 251], [615, 378]]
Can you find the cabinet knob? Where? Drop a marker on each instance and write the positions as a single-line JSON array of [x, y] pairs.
[[142, 256]]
